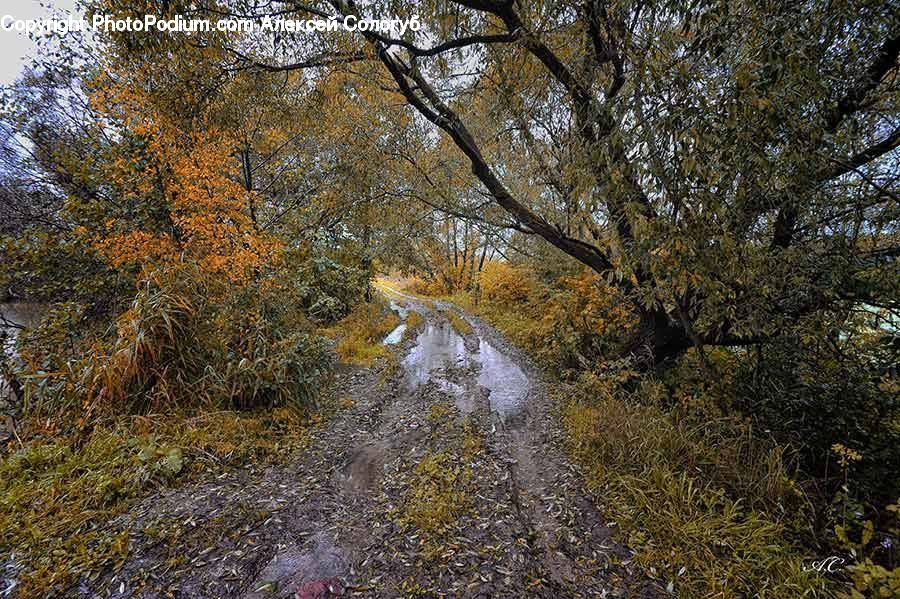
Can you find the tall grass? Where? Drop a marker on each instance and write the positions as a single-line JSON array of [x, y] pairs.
[[708, 508], [361, 333]]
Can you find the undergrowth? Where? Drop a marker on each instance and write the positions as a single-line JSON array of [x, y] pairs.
[[59, 493], [706, 507], [361, 333], [710, 507]]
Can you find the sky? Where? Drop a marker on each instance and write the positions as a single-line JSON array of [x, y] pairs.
[[14, 47]]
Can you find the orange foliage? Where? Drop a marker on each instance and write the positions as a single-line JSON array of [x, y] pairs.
[[504, 283], [196, 175]]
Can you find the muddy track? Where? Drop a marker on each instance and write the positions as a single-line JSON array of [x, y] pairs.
[[444, 479]]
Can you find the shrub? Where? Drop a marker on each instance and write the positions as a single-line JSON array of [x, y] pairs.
[[503, 283], [186, 339], [328, 290]]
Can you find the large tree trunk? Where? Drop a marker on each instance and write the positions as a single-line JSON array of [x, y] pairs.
[[656, 340]]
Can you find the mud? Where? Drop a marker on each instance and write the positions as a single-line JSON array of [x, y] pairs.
[[341, 518]]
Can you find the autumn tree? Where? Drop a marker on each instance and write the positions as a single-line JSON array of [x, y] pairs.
[[728, 165]]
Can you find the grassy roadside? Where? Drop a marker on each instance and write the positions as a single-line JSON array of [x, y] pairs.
[[57, 493], [360, 334]]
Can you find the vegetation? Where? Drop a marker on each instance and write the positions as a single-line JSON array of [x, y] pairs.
[[458, 323], [55, 489], [711, 503], [363, 331], [686, 213]]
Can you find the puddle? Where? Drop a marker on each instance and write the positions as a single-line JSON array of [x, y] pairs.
[[438, 346], [506, 381], [396, 336], [402, 311]]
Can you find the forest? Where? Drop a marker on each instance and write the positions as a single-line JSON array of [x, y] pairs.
[[453, 298]]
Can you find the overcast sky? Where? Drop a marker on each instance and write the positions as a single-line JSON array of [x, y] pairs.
[[14, 47]]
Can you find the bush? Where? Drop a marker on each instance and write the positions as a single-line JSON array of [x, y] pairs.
[[503, 283], [186, 339], [328, 290]]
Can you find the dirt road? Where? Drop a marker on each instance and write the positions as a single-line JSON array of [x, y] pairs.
[[443, 477]]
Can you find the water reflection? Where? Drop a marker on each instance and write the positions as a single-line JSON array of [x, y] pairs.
[[438, 346], [506, 381], [395, 336]]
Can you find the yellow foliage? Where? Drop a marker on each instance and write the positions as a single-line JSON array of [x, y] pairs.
[[362, 332], [438, 494], [504, 283]]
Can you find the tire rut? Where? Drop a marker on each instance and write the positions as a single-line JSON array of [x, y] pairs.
[[420, 488]]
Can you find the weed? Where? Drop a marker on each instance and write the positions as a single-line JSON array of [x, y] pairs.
[[459, 324], [361, 333]]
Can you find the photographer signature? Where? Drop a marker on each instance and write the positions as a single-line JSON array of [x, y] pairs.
[[830, 564]]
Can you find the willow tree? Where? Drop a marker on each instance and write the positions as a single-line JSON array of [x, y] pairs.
[[730, 165]]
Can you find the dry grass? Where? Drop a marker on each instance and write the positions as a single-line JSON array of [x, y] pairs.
[[706, 508], [55, 491], [414, 322], [459, 324], [362, 332]]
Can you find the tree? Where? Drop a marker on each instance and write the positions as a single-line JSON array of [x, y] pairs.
[[731, 166]]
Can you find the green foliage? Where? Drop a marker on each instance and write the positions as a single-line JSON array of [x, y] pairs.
[[815, 394], [328, 290]]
